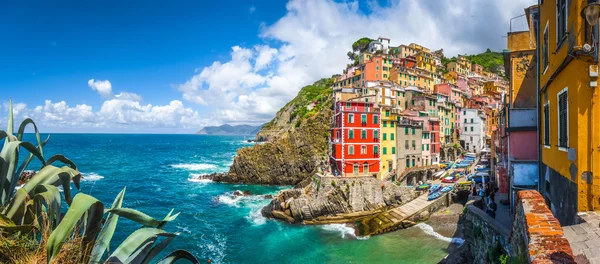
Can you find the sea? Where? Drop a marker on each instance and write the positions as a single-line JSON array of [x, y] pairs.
[[160, 173]]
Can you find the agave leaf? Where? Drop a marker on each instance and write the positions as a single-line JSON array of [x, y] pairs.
[[3, 134], [10, 155], [54, 176], [63, 159], [138, 255], [149, 255], [81, 204], [9, 129], [103, 241], [26, 162], [177, 255], [24, 124], [142, 218], [48, 196], [16, 208], [133, 242]]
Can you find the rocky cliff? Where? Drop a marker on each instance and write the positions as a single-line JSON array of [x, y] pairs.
[[292, 146], [336, 200]]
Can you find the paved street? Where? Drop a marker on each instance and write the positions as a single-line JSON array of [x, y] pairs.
[[585, 237]]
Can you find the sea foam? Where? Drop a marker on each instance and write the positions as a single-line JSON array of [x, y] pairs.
[[91, 176], [429, 230], [344, 230], [194, 166]]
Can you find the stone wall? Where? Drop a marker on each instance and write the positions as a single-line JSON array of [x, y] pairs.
[[536, 236], [536, 233], [485, 237]]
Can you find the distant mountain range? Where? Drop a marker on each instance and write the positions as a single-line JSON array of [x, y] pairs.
[[230, 130]]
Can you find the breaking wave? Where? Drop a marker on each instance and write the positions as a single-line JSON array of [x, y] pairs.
[[91, 176], [194, 166], [344, 230], [429, 230]]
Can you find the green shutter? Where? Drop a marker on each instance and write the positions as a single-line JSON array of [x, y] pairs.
[[384, 151], [384, 136], [351, 134], [406, 130], [384, 123], [391, 136], [363, 134], [393, 150], [375, 149], [375, 119]]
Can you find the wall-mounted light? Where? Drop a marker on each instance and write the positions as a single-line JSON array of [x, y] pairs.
[[591, 13]]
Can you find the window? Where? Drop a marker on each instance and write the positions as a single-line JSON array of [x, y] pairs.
[[393, 150], [563, 119], [375, 134], [350, 150], [561, 21], [387, 112], [350, 118], [413, 162], [422, 147], [545, 49], [384, 151], [407, 162], [375, 149], [391, 124], [384, 123], [351, 134], [391, 136], [363, 149], [375, 119], [348, 105], [472, 121], [356, 168], [384, 136], [471, 129], [413, 130], [377, 76], [414, 145], [464, 113], [406, 131], [427, 146], [547, 124], [365, 167], [406, 144], [363, 118], [363, 134], [471, 139]]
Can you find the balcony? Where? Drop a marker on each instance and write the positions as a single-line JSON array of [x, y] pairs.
[[522, 119]]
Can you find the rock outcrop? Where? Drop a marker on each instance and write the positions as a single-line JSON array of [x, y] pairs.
[[293, 145], [336, 200]]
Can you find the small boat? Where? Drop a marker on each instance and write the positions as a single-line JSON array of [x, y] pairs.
[[422, 187], [447, 189], [434, 196], [434, 188]]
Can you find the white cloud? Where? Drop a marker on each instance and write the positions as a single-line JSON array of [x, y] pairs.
[[314, 36], [128, 96], [252, 9], [104, 88], [265, 56]]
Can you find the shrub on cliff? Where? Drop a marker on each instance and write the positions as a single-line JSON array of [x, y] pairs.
[[33, 228]]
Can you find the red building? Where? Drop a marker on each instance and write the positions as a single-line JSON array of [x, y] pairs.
[[355, 138], [435, 140]]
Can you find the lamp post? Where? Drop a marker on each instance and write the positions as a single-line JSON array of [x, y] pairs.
[[591, 12]]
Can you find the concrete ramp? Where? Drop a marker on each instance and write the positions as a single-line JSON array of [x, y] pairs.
[[399, 217]]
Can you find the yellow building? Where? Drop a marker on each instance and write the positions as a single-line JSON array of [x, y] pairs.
[[451, 77], [569, 104], [403, 76], [465, 64], [390, 95], [425, 61]]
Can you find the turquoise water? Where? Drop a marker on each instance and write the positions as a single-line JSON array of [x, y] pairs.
[[157, 171]]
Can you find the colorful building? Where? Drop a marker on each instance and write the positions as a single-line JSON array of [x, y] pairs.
[[569, 104], [409, 143], [354, 139]]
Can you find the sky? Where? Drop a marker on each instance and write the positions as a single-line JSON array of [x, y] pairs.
[[177, 66]]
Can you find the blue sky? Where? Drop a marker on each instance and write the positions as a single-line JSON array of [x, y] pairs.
[[175, 66]]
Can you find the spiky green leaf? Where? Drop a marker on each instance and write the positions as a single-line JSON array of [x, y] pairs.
[[82, 204], [63, 159], [177, 255], [10, 157], [21, 132], [55, 176], [47, 200], [103, 241], [29, 158], [142, 218], [133, 242]]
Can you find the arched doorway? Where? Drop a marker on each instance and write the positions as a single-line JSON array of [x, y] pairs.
[[356, 168], [366, 168]]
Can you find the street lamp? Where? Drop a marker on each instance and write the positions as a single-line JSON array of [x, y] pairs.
[[591, 13]]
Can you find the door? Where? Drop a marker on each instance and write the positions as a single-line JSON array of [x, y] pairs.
[[355, 169], [366, 168]]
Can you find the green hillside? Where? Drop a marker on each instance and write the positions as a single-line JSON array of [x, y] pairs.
[[489, 59]]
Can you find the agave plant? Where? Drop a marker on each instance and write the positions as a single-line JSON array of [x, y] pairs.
[[36, 208]]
